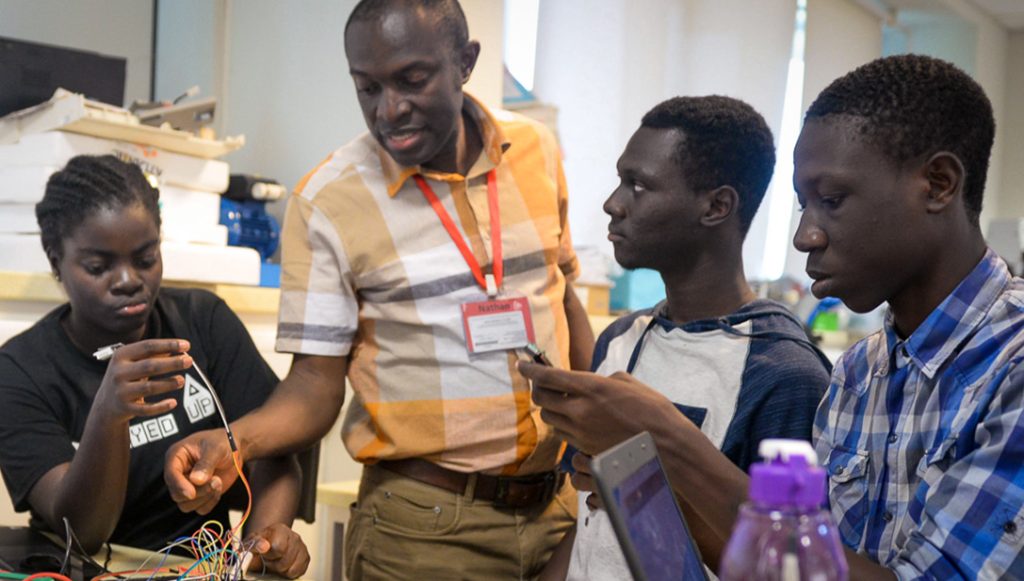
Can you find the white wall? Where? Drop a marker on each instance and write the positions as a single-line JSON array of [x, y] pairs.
[[604, 63], [957, 31], [281, 77], [841, 35], [990, 70], [122, 28], [1009, 201], [188, 32], [487, 24], [582, 65]]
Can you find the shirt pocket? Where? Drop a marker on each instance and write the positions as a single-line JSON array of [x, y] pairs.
[[936, 461], [848, 492]]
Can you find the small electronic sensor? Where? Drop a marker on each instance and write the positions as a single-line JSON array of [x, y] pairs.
[[536, 354], [104, 353]]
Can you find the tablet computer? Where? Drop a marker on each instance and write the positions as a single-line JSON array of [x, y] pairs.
[[644, 513]]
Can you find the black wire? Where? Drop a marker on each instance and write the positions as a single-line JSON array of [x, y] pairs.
[[86, 556], [106, 562], [67, 549]]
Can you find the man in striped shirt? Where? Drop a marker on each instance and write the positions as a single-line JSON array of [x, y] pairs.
[[442, 210], [922, 427]]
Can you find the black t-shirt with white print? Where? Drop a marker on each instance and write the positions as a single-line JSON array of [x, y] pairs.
[[47, 387]]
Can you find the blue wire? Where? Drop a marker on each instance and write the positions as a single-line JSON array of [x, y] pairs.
[[197, 563], [230, 552], [166, 552]]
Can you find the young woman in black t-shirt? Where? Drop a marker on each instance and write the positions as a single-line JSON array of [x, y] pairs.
[[82, 439]]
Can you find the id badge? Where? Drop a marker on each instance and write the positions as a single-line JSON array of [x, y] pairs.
[[497, 324]]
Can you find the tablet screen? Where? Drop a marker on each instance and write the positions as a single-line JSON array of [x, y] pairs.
[[656, 529]]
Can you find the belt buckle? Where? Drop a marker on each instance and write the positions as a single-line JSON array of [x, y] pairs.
[[513, 492]]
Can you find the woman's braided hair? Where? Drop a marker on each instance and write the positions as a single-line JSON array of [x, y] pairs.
[[86, 184]]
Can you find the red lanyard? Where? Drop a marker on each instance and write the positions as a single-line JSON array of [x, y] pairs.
[[453, 231]]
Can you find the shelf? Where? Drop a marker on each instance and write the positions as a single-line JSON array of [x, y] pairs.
[[40, 287]]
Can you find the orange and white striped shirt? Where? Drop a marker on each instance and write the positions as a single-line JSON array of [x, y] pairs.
[[368, 271]]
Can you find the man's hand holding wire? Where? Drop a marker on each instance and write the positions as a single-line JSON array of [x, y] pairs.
[[198, 470]]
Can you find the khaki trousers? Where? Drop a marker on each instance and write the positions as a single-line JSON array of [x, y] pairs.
[[404, 529]]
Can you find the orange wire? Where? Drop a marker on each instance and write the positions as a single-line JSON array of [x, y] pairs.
[[236, 456]]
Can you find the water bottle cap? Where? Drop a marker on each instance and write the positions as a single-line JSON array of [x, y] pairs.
[[789, 476], [785, 450]]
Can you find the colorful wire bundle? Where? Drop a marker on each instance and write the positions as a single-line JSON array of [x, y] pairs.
[[220, 555], [216, 554]]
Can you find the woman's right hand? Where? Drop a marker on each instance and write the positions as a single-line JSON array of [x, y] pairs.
[[134, 373]]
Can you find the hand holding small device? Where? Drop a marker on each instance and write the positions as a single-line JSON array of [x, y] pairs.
[[536, 354], [138, 371], [593, 412]]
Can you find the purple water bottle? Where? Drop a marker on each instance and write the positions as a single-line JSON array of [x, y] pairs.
[[782, 532]]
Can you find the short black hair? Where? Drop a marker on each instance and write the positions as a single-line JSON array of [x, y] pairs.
[[451, 18], [86, 184], [726, 143], [912, 105]]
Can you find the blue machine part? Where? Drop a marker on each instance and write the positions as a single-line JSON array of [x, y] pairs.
[[249, 225], [824, 305], [636, 289]]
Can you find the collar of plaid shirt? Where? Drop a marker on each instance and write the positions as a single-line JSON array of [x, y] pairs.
[[954, 321], [495, 144]]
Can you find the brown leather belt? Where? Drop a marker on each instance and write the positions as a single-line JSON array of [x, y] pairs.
[[502, 491]]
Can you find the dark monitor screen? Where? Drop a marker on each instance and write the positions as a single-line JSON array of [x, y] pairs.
[[31, 72]]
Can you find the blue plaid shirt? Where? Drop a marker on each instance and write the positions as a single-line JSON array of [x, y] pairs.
[[923, 438]]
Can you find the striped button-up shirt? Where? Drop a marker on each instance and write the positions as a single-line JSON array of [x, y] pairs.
[[923, 437], [369, 272]]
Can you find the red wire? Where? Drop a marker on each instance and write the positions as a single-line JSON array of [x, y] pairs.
[[54, 576]]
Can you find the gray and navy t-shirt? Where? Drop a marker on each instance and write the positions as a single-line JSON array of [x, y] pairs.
[[741, 378]]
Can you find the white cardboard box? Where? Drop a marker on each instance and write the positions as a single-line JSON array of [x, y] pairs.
[[211, 235], [18, 219], [180, 207], [182, 262], [53, 149], [177, 227], [187, 215], [24, 184]]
